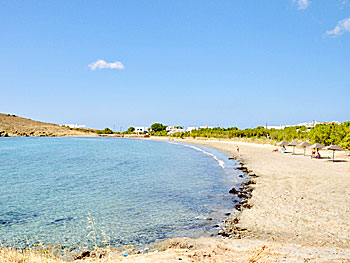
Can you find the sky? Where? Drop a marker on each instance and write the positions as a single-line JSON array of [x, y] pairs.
[[179, 62]]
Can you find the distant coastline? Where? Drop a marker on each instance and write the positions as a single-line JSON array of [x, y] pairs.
[[15, 126]]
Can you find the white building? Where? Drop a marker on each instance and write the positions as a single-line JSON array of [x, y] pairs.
[[314, 123], [141, 129], [75, 126], [174, 129]]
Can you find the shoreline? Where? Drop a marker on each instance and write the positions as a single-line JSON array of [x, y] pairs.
[[315, 230], [299, 213]]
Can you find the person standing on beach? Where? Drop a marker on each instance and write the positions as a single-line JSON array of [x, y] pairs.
[[237, 148]]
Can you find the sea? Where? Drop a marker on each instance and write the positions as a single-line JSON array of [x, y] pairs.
[[77, 193]]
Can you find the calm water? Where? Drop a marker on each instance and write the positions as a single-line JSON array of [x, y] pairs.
[[136, 191]]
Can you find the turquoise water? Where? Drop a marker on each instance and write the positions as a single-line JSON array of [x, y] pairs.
[[137, 191]]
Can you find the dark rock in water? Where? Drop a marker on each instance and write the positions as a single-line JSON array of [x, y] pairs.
[[235, 221], [240, 176], [238, 207], [227, 214], [233, 191], [242, 195]]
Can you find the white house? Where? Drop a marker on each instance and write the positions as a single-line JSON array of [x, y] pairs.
[[314, 123], [141, 129], [174, 129]]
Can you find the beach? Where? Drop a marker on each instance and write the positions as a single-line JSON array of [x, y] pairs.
[[300, 212]]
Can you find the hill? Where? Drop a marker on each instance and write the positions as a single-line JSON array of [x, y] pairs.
[[12, 125]]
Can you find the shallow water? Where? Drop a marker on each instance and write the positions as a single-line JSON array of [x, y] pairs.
[[137, 191]]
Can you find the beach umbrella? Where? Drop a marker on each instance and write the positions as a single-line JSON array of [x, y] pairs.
[[334, 148], [304, 145], [317, 146], [281, 143], [294, 143]]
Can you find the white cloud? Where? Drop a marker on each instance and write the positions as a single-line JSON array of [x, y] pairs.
[[342, 27], [103, 64], [302, 4]]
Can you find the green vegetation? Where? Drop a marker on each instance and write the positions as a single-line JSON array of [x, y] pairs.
[[158, 127], [326, 134], [105, 131], [131, 129]]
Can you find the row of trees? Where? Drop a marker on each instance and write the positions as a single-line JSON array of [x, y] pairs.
[[326, 134], [156, 128]]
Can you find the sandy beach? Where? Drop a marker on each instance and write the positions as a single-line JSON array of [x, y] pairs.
[[300, 212]]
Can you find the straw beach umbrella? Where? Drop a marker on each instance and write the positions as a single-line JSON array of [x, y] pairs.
[[294, 143], [317, 146], [334, 148], [282, 143], [304, 145]]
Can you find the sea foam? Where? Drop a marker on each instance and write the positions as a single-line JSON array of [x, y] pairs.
[[220, 162]]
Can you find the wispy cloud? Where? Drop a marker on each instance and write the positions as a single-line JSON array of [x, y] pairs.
[[103, 64], [342, 27], [302, 4]]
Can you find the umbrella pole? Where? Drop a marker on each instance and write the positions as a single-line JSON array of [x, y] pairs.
[[293, 149], [304, 150], [333, 155]]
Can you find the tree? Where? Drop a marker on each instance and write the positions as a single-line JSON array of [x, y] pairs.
[[157, 127], [131, 129], [107, 131]]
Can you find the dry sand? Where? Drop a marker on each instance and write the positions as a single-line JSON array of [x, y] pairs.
[[300, 212]]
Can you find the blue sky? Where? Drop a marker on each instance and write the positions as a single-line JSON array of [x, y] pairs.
[[227, 63]]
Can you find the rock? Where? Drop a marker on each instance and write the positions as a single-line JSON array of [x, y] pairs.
[[233, 191], [246, 205], [84, 254], [242, 195], [227, 214]]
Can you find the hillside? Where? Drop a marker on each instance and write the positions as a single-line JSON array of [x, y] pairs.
[[12, 125]]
